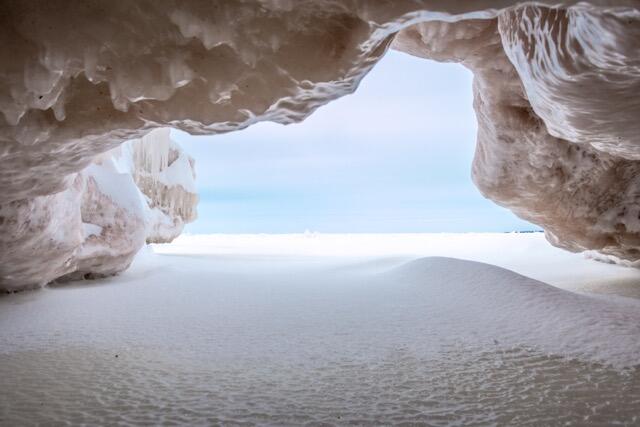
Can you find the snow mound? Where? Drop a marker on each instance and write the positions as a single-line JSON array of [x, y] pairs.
[[476, 301]]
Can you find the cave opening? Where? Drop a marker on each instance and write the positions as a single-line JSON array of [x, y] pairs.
[[395, 156]]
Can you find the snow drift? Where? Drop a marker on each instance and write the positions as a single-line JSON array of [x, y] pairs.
[[555, 97], [488, 301]]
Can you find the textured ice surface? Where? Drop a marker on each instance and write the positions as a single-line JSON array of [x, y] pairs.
[[165, 175], [536, 71], [286, 339], [140, 191]]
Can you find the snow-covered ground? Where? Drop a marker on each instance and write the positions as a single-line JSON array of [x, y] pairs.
[[364, 329], [526, 253]]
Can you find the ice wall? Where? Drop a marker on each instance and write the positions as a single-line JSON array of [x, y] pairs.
[[165, 175], [142, 190], [555, 140], [555, 95]]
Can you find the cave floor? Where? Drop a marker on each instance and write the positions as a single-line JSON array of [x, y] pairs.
[[330, 329]]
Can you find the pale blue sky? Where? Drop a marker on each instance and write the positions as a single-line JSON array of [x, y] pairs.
[[393, 157]]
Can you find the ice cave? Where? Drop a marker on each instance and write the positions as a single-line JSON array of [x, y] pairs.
[[111, 315], [555, 97]]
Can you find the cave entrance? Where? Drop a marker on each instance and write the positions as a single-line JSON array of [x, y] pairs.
[[393, 157]]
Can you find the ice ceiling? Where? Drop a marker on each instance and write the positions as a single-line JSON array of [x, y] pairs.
[[556, 98]]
